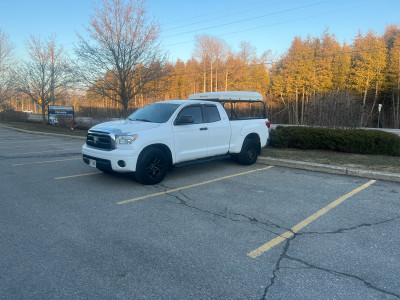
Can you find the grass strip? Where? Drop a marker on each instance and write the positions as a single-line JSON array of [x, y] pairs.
[[38, 127], [381, 163]]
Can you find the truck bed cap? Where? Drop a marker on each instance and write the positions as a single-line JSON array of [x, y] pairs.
[[228, 96]]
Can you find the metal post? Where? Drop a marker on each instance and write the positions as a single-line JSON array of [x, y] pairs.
[[379, 113]]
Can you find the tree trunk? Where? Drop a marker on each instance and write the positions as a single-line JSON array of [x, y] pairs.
[[373, 106], [216, 79], [289, 114], [302, 110], [397, 110], [397, 125], [43, 113], [204, 81], [226, 80], [211, 77], [52, 77], [364, 103], [125, 112], [397, 114], [296, 110]]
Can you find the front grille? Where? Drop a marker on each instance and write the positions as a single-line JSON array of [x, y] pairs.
[[100, 140]]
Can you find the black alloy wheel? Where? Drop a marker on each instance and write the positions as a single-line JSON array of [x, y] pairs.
[[152, 166], [250, 151]]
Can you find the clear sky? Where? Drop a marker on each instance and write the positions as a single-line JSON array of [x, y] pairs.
[[265, 24]]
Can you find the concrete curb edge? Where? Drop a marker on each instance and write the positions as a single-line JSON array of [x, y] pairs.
[[395, 177]]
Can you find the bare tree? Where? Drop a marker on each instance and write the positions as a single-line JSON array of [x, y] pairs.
[[211, 51], [248, 53], [338, 109], [121, 54], [47, 75], [6, 62]]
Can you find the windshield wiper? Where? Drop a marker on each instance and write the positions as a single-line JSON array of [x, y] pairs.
[[143, 120]]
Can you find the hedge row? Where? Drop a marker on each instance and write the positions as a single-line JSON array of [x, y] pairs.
[[342, 140], [10, 115]]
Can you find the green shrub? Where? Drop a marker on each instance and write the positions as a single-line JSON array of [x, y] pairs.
[[16, 116], [342, 140]]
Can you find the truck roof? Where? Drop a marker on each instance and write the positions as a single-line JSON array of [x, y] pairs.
[[228, 96], [180, 102]]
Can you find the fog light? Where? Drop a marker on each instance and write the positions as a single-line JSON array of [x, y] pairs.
[[121, 163]]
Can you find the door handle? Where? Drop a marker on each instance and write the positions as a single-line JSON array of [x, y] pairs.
[[203, 128]]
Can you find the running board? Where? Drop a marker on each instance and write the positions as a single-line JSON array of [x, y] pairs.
[[201, 160]]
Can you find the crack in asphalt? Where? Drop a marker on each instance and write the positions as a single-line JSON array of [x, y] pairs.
[[342, 230], [183, 200], [284, 255], [277, 267], [366, 283], [224, 215], [263, 222]]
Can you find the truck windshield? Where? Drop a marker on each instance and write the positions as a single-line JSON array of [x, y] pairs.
[[154, 113]]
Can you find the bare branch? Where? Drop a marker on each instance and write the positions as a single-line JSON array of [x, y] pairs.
[[121, 54], [47, 75], [6, 62]]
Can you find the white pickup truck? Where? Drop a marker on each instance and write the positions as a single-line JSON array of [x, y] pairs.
[[174, 132]]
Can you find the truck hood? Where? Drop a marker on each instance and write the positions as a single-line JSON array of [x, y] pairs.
[[124, 126]]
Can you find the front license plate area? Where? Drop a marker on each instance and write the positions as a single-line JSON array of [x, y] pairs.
[[92, 163]]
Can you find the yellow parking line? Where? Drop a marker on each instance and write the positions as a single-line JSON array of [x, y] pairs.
[[29, 146], [23, 153], [191, 186], [46, 161], [78, 175], [305, 222]]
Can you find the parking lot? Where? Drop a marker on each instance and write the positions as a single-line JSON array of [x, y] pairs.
[[217, 230]]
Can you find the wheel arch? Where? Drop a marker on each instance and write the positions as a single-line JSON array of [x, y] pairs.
[[164, 148], [253, 136]]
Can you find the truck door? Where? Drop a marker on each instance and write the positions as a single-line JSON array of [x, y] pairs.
[[219, 131], [191, 136]]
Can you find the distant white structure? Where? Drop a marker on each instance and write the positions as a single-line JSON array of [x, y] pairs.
[[228, 96]]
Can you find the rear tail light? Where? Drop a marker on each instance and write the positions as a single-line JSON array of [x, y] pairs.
[[268, 124]]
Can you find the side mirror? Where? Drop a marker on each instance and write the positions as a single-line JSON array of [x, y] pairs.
[[184, 120]]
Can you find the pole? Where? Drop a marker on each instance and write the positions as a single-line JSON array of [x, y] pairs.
[[379, 113]]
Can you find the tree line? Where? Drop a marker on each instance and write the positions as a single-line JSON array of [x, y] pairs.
[[316, 81], [120, 63]]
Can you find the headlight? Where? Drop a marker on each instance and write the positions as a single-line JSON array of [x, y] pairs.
[[125, 139]]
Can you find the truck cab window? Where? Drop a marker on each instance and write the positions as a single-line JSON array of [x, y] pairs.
[[194, 112], [213, 113]]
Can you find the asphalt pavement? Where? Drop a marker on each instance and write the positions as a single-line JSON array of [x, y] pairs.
[[217, 230]]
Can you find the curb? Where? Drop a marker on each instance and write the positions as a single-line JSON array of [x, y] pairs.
[[44, 133], [395, 177]]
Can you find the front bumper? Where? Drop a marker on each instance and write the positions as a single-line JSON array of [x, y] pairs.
[[111, 160]]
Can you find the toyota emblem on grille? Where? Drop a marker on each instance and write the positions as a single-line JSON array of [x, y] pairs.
[[95, 139]]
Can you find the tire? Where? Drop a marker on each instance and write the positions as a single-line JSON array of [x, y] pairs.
[[152, 166], [250, 151]]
